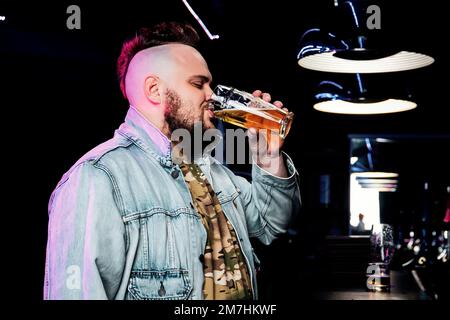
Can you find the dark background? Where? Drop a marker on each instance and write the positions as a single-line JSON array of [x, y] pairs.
[[60, 97]]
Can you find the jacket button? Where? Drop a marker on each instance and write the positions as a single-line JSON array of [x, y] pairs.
[[201, 258], [162, 290], [175, 174]]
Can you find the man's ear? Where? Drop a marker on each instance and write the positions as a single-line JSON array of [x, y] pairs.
[[152, 89]]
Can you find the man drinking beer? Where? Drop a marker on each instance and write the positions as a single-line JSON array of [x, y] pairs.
[[128, 222]]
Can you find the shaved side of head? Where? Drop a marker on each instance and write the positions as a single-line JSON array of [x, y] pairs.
[[155, 61], [161, 62], [159, 34]]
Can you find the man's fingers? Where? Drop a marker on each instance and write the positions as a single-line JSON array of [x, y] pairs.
[[278, 104], [252, 134], [266, 97], [257, 93]]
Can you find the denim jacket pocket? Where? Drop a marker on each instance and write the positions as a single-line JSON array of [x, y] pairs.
[[169, 284], [225, 197]]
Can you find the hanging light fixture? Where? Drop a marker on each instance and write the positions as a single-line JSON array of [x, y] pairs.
[[366, 169], [334, 98], [374, 184], [348, 52], [344, 59], [382, 188], [377, 184], [376, 181], [348, 107], [376, 174], [325, 51]]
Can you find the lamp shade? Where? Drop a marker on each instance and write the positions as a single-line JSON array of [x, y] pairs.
[[376, 174], [333, 97], [376, 180], [347, 51], [358, 60], [346, 107]]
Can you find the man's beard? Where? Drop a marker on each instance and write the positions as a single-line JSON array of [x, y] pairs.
[[175, 117], [177, 120]]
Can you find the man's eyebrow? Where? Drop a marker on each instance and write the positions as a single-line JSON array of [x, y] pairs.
[[203, 78]]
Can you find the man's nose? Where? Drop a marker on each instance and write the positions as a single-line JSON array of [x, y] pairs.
[[209, 92]]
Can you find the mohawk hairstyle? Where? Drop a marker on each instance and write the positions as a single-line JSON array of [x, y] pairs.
[[162, 33]]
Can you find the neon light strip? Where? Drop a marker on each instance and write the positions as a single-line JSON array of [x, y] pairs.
[[211, 36]]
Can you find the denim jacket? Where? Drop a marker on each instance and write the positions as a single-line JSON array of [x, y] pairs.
[[122, 224]]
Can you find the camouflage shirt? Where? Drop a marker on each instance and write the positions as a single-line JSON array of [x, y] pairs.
[[226, 273]]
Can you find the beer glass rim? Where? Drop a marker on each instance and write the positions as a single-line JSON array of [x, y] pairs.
[[266, 104]]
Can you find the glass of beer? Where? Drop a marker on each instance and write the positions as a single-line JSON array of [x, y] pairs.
[[247, 111]]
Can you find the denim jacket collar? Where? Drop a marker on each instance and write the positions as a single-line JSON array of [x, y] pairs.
[[152, 140], [146, 136]]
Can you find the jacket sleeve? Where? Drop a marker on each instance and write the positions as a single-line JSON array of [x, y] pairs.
[[270, 202], [86, 237]]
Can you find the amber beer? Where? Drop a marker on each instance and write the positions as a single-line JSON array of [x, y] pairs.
[[246, 111], [260, 119]]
